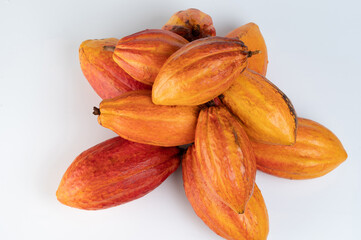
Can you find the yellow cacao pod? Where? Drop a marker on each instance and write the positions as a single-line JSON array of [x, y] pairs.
[[251, 35], [317, 151], [266, 113]]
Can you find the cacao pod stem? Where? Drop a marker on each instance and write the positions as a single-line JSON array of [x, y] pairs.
[[96, 111], [109, 48], [251, 53]]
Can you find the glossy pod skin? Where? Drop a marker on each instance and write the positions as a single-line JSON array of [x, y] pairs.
[[104, 75], [252, 224], [142, 54], [200, 71], [251, 35], [266, 113], [114, 172], [133, 116], [317, 151], [225, 156], [191, 24]]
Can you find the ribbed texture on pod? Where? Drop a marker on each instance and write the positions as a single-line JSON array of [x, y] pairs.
[[199, 71], [114, 172], [252, 37], [191, 24], [104, 75], [266, 113], [133, 116], [142, 54], [221, 219], [317, 151], [226, 157]]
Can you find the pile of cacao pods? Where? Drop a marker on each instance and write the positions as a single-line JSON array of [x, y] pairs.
[[183, 94]]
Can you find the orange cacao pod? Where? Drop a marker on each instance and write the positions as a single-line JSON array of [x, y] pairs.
[[104, 75], [200, 71], [114, 172], [226, 157], [316, 152], [252, 37], [142, 54], [253, 224], [265, 111], [191, 24], [133, 116]]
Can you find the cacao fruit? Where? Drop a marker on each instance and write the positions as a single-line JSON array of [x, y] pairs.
[[265, 111], [114, 172], [133, 116], [200, 71], [191, 24], [252, 37], [226, 157], [142, 54], [317, 151], [221, 219], [104, 75]]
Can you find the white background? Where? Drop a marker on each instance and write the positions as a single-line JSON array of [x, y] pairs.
[[46, 116]]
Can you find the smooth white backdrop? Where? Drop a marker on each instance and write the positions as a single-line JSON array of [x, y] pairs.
[[46, 116]]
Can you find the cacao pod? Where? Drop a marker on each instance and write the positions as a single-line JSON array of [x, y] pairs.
[[142, 54], [317, 151], [227, 161], [104, 75], [115, 171], [265, 111], [133, 116], [221, 219], [252, 37], [191, 24], [200, 71]]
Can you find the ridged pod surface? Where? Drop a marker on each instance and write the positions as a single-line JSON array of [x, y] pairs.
[[226, 157], [317, 151], [221, 219], [133, 116], [252, 37], [200, 71], [264, 110], [142, 54], [115, 171], [104, 75], [191, 24]]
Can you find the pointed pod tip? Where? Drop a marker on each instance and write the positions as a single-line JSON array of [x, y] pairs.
[[239, 211]]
